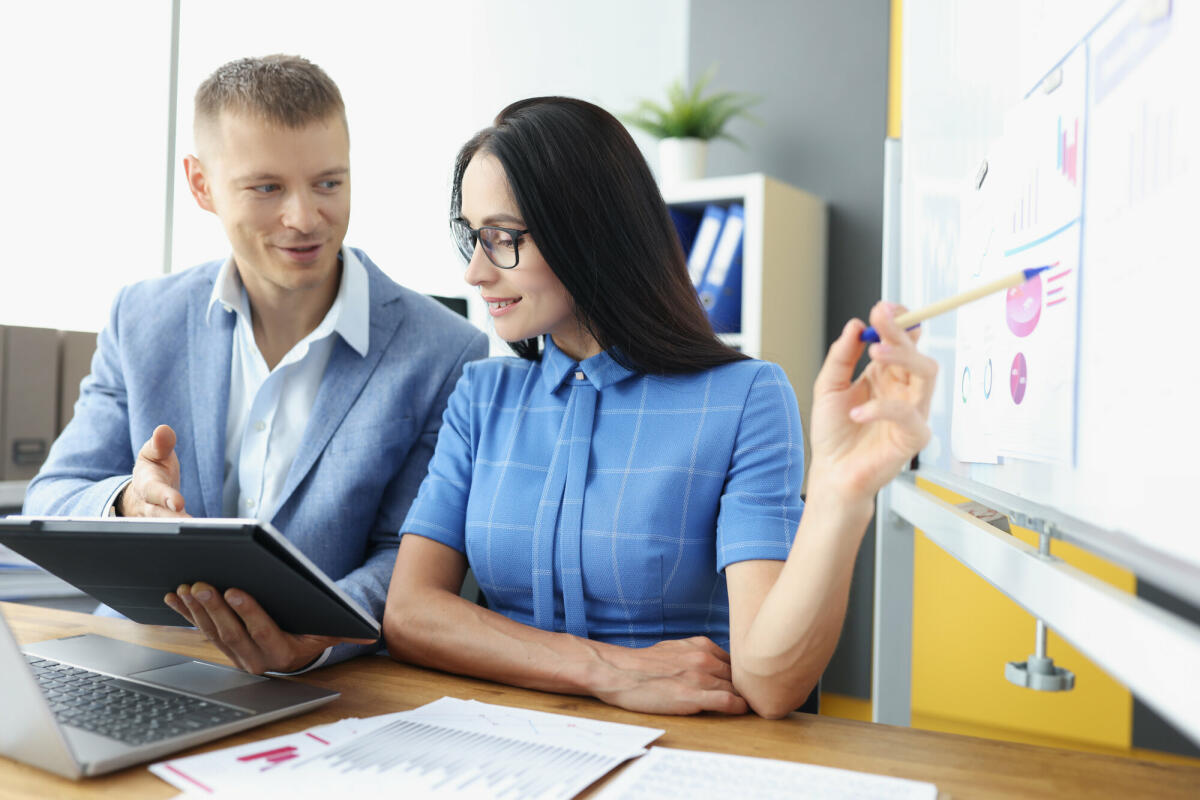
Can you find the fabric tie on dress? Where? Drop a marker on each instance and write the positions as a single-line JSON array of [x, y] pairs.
[[564, 489]]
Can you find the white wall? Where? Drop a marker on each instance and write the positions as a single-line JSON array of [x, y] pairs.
[[85, 126], [418, 79], [83, 137]]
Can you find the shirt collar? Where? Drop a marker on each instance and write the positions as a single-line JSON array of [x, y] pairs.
[[601, 370], [349, 316]]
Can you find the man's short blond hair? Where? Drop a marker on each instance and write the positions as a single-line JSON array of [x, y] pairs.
[[288, 91]]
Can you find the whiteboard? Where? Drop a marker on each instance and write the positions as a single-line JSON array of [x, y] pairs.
[[1130, 462]]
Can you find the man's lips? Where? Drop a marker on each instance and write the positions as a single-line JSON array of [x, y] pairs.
[[302, 253]]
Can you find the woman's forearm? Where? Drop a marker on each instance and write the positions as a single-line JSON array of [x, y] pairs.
[[434, 628], [792, 634]]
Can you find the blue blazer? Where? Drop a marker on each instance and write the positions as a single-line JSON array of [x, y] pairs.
[[365, 451]]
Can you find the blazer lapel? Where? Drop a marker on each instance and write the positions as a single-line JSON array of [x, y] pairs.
[[345, 376], [210, 353]]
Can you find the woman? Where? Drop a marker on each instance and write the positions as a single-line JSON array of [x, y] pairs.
[[628, 493]]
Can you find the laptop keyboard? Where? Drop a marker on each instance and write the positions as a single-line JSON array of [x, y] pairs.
[[123, 710]]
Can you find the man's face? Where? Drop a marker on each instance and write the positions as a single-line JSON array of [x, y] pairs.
[[282, 194]]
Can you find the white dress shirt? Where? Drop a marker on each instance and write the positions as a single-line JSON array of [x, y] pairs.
[[269, 408]]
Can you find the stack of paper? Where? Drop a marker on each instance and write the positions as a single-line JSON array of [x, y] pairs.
[[449, 748]]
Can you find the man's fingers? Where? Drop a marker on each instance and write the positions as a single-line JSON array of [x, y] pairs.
[[160, 445], [228, 624], [155, 477], [199, 616], [265, 634], [230, 634], [838, 369], [175, 604], [162, 495]]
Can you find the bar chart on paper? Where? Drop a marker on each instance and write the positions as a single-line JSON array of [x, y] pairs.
[[463, 763], [465, 749]]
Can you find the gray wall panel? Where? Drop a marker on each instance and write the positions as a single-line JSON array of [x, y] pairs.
[[822, 70]]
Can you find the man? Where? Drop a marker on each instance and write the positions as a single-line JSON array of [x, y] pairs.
[[293, 382]]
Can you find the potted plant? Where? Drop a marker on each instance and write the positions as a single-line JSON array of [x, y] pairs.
[[686, 123]]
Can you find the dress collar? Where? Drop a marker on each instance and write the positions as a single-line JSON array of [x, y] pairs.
[[601, 370]]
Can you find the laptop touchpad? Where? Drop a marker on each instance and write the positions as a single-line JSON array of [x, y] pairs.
[[198, 678]]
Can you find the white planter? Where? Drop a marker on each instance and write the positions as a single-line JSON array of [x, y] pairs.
[[681, 160]]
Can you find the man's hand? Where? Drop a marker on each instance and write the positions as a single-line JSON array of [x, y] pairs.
[[154, 491], [679, 676], [247, 636]]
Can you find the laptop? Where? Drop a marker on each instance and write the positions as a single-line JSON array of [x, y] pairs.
[[86, 705]]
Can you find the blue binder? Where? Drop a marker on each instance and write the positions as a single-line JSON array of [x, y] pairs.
[[686, 225], [706, 242], [721, 291]]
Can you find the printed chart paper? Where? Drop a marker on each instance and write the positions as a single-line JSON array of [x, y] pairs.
[[230, 768], [669, 774], [1016, 352], [447, 749]]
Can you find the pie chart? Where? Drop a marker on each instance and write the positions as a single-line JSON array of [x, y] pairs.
[[1017, 376], [1023, 306]]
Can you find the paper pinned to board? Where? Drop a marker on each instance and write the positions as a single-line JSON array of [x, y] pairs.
[[1016, 353]]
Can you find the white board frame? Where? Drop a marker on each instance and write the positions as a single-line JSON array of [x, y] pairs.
[[1151, 651]]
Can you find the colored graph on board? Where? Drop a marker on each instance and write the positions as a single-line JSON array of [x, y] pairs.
[[1025, 207], [1055, 285], [1068, 153], [1018, 378]]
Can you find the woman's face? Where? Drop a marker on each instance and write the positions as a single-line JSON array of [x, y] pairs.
[[528, 300]]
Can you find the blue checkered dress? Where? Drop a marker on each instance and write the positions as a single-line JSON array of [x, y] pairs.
[[606, 503]]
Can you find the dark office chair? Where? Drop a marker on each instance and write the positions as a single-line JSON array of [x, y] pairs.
[[813, 704], [456, 304]]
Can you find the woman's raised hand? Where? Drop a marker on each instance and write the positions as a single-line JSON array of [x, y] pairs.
[[865, 430]]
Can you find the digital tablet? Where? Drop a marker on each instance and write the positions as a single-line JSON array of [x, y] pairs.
[[130, 563]]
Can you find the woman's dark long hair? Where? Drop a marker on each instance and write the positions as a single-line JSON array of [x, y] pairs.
[[591, 204]]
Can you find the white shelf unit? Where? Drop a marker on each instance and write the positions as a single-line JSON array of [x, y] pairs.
[[783, 272]]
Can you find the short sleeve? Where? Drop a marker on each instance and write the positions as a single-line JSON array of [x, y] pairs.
[[440, 510], [761, 505]]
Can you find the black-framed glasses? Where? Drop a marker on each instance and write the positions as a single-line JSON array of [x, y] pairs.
[[500, 245]]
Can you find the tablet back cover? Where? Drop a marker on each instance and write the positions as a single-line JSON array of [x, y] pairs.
[[130, 567]]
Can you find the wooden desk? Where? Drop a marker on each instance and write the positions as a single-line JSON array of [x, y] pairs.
[[962, 767]]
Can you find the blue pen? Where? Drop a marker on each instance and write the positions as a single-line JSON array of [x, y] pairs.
[[912, 319]]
